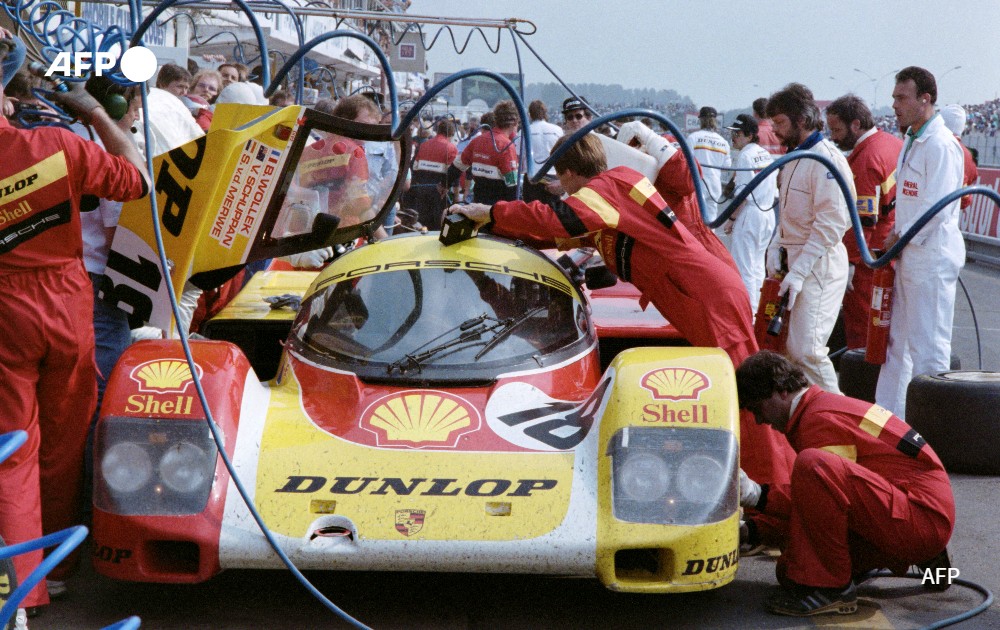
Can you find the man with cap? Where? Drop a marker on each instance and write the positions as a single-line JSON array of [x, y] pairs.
[[575, 113], [752, 225], [491, 158], [712, 151], [872, 156], [954, 120], [923, 309]]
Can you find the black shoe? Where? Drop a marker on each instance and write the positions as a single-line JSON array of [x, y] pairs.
[[805, 601], [940, 561]]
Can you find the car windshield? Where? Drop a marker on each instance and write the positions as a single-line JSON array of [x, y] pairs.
[[431, 321]]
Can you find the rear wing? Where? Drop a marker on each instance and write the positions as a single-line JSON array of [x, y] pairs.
[[264, 182]]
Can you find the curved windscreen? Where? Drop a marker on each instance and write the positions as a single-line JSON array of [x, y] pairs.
[[433, 323]]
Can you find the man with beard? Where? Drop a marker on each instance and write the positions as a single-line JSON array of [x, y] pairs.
[[872, 159], [811, 227], [930, 167]]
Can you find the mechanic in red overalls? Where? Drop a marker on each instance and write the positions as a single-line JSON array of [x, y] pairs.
[[619, 212], [675, 184], [872, 158], [867, 492], [48, 377], [429, 186], [491, 158]]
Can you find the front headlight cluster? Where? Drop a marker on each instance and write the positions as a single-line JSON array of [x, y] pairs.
[[148, 466], [673, 476]]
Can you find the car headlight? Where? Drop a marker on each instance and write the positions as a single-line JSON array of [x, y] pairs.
[[644, 477], [126, 467], [184, 467], [150, 466], [673, 476]]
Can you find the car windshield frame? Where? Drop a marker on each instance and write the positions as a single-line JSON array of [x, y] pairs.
[[438, 322]]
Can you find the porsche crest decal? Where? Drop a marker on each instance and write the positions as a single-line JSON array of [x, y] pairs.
[[675, 383], [409, 522], [419, 418]]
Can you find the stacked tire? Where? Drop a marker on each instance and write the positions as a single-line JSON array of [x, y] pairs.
[[858, 378], [958, 413]]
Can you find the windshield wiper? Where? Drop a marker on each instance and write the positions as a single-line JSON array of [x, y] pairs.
[[469, 330], [506, 327]]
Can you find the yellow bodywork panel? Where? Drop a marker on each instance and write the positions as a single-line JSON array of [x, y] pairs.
[[250, 303], [453, 495], [690, 389]]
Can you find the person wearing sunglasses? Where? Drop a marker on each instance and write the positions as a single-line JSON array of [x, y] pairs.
[[575, 113]]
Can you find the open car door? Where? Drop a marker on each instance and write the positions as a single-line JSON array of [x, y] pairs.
[[263, 182]]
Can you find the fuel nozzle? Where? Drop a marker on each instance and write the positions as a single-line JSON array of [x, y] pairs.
[[38, 70], [778, 321]]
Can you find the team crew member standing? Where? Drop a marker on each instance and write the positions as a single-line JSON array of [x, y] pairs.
[[752, 225], [811, 228], [48, 379], [873, 156], [710, 149], [675, 184], [619, 212], [954, 120], [929, 168], [543, 137], [867, 492], [491, 158], [765, 130], [429, 188]]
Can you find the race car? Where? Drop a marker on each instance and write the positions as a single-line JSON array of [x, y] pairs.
[[432, 408]]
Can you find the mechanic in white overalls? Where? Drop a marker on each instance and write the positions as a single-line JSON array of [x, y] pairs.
[[812, 224], [752, 225], [710, 149], [930, 166]]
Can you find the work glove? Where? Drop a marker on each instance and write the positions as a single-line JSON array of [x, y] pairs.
[[772, 259], [648, 141], [77, 101], [792, 285], [313, 259], [850, 277], [749, 491]]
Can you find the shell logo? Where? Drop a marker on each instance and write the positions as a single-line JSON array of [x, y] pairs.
[[163, 376], [675, 383], [420, 418]]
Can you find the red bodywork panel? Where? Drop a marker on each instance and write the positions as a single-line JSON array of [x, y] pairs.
[[616, 313], [152, 380]]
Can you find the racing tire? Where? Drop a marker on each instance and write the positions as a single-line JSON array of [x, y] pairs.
[[8, 582], [956, 412], [858, 377]]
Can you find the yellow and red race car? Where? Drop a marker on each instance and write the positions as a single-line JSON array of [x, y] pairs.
[[432, 407]]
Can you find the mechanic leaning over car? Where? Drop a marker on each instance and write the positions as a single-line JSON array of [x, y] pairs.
[[619, 212], [48, 380], [675, 184], [867, 492]]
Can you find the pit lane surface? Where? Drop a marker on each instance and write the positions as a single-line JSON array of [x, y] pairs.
[[272, 599]]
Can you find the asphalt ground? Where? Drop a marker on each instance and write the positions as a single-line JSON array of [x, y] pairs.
[[272, 599]]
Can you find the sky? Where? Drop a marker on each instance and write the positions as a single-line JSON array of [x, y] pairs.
[[728, 52]]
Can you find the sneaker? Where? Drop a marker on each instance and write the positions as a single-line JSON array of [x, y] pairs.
[[940, 561], [21, 619], [56, 588], [805, 601]]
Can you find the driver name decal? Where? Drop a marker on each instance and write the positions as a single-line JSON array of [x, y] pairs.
[[246, 194]]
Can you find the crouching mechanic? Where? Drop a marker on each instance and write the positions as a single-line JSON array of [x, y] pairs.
[[867, 492], [48, 379], [619, 212]]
